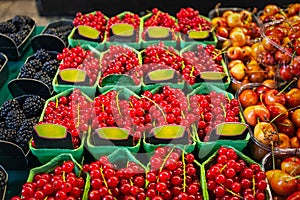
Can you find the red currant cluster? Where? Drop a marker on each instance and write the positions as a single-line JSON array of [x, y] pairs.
[[108, 182], [160, 18], [96, 20], [204, 59], [128, 18], [71, 111], [213, 109], [80, 59], [231, 178], [159, 55], [61, 183], [121, 60], [173, 175], [189, 19]]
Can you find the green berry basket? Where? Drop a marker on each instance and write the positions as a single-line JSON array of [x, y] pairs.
[[213, 158], [73, 42], [57, 161], [210, 39], [119, 81], [221, 80], [46, 154], [136, 45], [89, 90], [145, 43], [205, 149]]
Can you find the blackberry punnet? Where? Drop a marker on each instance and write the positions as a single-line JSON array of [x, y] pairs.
[[27, 71], [8, 135], [42, 55], [14, 119], [8, 106], [24, 134], [50, 67], [33, 106]]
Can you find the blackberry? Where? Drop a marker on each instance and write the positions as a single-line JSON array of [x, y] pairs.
[[42, 55], [3, 181], [7, 27], [33, 106], [27, 71], [36, 64], [8, 106], [17, 38], [24, 134], [62, 32], [2, 125], [14, 119], [19, 21], [50, 67], [43, 76], [8, 135]]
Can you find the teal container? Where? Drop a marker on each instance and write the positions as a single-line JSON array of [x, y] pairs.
[[206, 149], [136, 45], [58, 161], [218, 83], [79, 42], [89, 90]]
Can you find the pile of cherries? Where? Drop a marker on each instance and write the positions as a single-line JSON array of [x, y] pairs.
[[213, 108], [231, 178], [109, 182], [128, 18], [121, 60], [189, 19], [61, 183], [96, 20], [173, 175], [78, 58], [72, 111], [204, 59], [159, 56]]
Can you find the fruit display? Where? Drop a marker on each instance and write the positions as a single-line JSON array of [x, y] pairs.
[[273, 114], [231, 175], [121, 60], [272, 12], [111, 180], [3, 182], [173, 174], [17, 28], [17, 118], [283, 170]]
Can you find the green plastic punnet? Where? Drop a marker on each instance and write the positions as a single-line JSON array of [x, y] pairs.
[[57, 161], [205, 149]]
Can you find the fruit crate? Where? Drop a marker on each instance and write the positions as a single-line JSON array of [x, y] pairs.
[[124, 41], [210, 39], [46, 154], [145, 43], [119, 81], [219, 79], [213, 159], [15, 51], [73, 41], [87, 89], [238, 141], [3, 68], [273, 160], [258, 148], [3, 183], [58, 161], [22, 86], [48, 40]]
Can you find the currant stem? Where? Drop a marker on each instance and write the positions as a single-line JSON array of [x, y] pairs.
[[165, 160], [156, 106], [253, 180], [184, 172], [117, 101], [104, 180]]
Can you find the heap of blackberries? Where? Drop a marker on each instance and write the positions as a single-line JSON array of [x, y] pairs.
[[17, 119], [17, 28], [60, 31]]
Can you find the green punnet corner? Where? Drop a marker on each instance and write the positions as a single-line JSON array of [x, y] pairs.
[[72, 75], [212, 75], [50, 131], [112, 133], [230, 129], [88, 32], [160, 75], [122, 29], [168, 132], [198, 35], [158, 32]]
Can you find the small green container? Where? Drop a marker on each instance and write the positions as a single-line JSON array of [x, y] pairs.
[[57, 161], [89, 90], [79, 42], [205, 149], [119, 81], [136, 45], [219, 83], [212, 159], [174, 43], [211, 40]]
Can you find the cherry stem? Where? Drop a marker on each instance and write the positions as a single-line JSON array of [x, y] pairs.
[[156, 106], [217, 8], [292, 178], [296, 168], [273, 156], [184, 172], [286, 86]]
